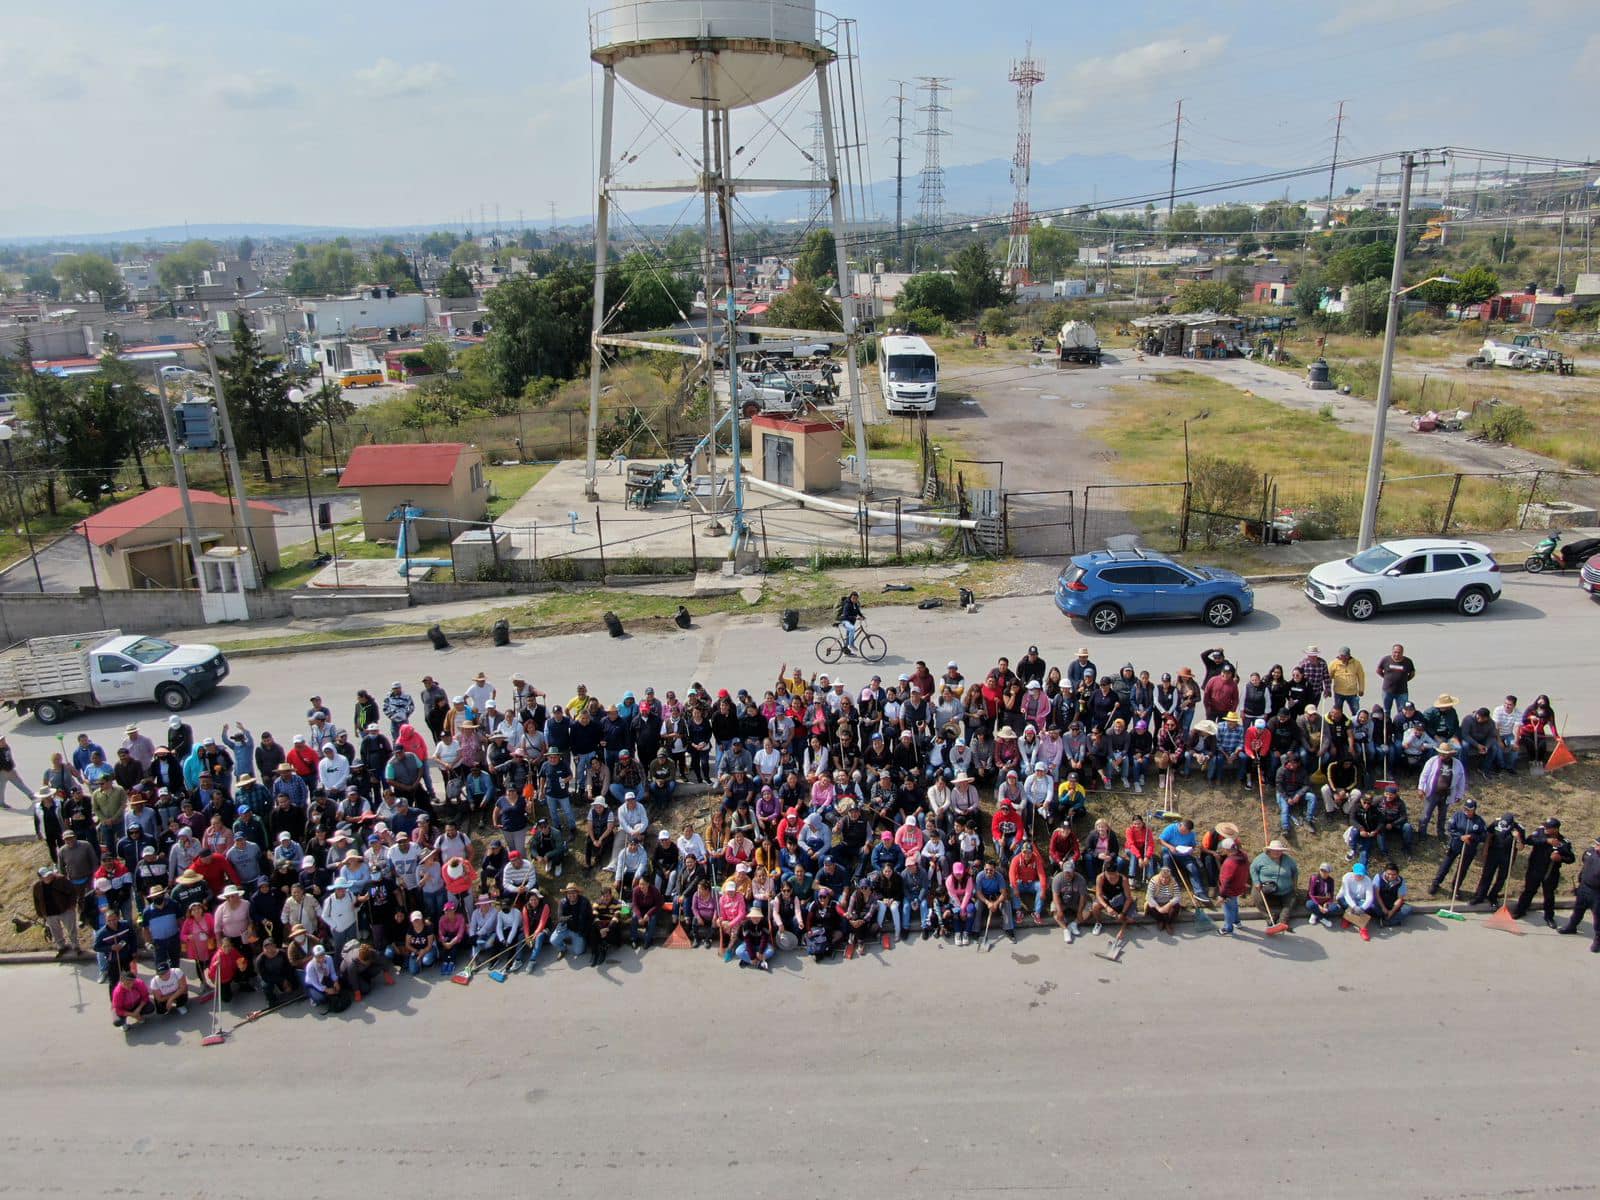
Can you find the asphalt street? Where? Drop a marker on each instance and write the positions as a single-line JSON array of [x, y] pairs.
[[1439, 1061], [1528, 642]]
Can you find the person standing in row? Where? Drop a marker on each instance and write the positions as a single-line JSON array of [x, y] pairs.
[[1588, 900], [1396, 671], [1548, 852]]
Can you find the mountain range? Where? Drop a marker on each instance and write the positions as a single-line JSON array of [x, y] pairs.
[[970, 189]]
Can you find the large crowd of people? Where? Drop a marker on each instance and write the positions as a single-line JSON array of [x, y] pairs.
[[432, 830]]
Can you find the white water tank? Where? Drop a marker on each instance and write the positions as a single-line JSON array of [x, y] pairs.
[[760, 48]]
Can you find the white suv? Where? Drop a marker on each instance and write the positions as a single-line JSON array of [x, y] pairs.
[[1411, 573]]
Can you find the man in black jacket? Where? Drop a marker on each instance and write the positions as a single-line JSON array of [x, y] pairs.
[[1500, 842], [574, 923], [1466, 831], [1588, 900], [1548, 852]]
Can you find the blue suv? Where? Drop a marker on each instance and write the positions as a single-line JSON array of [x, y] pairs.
[[1109, 587]]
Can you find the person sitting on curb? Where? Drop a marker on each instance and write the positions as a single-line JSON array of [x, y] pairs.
[[1358, 894], [1275, 873], [1392, 906], [1322, 896]]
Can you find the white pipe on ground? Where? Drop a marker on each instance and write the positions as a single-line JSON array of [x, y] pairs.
[[839, 508]]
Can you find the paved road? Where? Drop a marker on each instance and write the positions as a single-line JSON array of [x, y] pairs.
[[64, 562], [1525, 643], [1195, 1067]]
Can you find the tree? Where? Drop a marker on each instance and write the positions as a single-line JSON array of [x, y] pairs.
[[1220, 491], [1368, 307], [455, 284], [85, 273], [932, 292], [539, 327], [466, 254], [1185, 219], [816, 258], [258, 398], [804, 307], [1052, 251], [977, 279], [247, 249], [185, 266], [1357, 264], [43, 283], [1217, 295], [98, 424], [42, 397], [920, 320], [436, 357], [1475, 285], [439, 243], [647, 294], [530, 240], [1308, 293]]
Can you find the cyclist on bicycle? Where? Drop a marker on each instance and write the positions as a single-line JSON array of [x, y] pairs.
[[850, 617]]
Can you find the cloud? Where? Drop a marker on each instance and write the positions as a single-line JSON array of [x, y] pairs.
[[1355, 14], [261, 89], [386, 78], [1135, 71], [1462, 45]]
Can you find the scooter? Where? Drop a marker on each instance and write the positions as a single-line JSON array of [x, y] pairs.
[[1550, 555]]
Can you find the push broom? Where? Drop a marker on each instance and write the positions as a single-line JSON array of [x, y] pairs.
[[1277, 926], [1450, 914], [1202, 919], [218, 1035]]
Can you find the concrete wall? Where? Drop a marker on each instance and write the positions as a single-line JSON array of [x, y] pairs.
[[25, 616]]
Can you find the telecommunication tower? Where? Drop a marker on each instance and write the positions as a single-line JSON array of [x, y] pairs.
[[1026, 75]]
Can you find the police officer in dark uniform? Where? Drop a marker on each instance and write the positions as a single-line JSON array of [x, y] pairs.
[[1466, 835], [1548, 852], [1588, 900], [1500, 843]]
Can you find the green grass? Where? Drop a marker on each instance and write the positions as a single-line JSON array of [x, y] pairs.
[[45, 528], [510, 484], [1318, 468]]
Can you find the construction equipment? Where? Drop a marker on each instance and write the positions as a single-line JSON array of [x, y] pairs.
[[1542, 357]]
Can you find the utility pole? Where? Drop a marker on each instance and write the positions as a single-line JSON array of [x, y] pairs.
[[899, 140], [552, 216], [1380, 414], [1561, 250], [241, 522], [1172, 183], [179, 475], [1505, 202], [1338, 130]]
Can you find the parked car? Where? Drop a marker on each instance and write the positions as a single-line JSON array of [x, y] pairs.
[[1409, 573], [1589, 578], [1109, 587], [769, 392]]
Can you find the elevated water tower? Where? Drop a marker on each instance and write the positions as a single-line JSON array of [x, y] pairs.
[[719, 57]]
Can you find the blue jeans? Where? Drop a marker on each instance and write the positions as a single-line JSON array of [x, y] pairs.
[[1230, 913], [1286, 805], [1408, 836], [1024, 892], [561, 813], [415, 962], [1394, 702], [1329, 911], [1117, 764], [645, 933], [1363, 847], [920, 906], [528, 953], [1352, 703], [887, 912], [1508, 754], [1189, 862], [567, 942], [433, 905], [580, 766], [1400, 915], [848, 628], [743, 952]]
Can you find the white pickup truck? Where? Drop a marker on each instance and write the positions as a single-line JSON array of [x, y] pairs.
[[52, 677]]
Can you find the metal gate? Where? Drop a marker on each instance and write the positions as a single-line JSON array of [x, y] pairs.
[[1152, 512], [1040, 524]]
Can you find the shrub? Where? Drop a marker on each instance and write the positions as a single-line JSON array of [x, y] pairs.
[[1501, 423]]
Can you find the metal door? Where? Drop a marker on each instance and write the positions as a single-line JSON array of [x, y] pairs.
[[778, 464]]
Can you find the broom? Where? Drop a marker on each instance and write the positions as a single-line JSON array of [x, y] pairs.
[[465, 977], [218, 1035], [1202, 919], [1450, 914], [1277, 926], [1502, 918], [497, 974]]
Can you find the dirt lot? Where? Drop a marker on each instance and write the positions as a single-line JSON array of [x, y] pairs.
[[1573, 794]]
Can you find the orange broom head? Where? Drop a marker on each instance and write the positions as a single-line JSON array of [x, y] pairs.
[[677, 939], [1560, 756], [1502, 919]]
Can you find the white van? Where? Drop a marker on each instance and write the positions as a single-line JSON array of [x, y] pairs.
[[909, 372]]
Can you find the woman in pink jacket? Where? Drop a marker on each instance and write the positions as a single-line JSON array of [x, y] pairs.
[[910, 840], [199, 936], [958, 886]]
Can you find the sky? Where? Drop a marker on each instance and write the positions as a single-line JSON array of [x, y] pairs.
[[408, 113]]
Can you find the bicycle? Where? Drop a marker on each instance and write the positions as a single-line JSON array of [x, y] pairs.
[[869, 646]]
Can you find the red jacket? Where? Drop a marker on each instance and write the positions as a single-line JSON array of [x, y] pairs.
[[1138, 840], [1234, 880], [1064, 845], [1027, 868], [1221, 696], [1006, 815], [1258, 743], [217, 871], [304, 761]]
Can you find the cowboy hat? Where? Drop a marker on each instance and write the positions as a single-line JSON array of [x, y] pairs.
[[1277, 844], [1228, 829], [1445, 700], [1007, 732]]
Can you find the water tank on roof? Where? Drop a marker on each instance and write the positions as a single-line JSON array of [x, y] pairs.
[[760, 48]]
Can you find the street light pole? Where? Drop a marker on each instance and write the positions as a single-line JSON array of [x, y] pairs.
[[298, 399], [180, 476], [6, 434], [1380, 415]]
